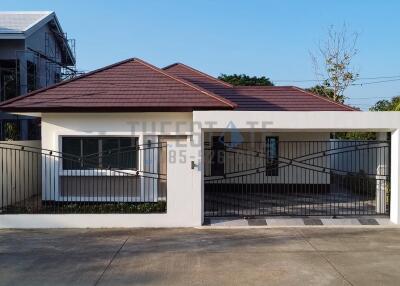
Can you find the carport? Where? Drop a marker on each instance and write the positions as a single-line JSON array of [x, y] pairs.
[[295, 174], [276, 163]]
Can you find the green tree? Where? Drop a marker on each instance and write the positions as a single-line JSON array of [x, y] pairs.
[[325, 90], [333, 61], [11, 130], [354, 135], [387, 105], [245, 80]]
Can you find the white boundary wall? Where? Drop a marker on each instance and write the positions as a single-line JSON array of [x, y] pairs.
[[185, 186], [180, 199]]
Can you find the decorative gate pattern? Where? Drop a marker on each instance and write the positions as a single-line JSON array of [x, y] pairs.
[[297, 178], [130, 179]]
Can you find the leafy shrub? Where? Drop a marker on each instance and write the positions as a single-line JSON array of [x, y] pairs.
[[93, 208]]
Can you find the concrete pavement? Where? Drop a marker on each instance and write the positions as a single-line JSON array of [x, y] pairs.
[[262, 256]]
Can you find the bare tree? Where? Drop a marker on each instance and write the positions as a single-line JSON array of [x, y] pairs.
[[333, 62]]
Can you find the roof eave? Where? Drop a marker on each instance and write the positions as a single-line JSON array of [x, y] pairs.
[[22, 110], [12, 36]]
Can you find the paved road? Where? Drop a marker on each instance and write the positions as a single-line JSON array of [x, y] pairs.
[[306, 256]]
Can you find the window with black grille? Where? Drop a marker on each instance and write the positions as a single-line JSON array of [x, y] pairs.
[[100, 152], [218, 156], [272, 156]]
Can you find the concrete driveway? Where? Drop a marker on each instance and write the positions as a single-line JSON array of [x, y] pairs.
[[277, 256]]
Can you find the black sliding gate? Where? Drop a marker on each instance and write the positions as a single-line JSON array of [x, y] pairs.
[[297, 178]]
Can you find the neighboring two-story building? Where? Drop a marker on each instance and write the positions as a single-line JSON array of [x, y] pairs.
[[34, 53]]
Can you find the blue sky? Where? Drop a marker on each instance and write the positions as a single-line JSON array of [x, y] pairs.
[[271, 38]]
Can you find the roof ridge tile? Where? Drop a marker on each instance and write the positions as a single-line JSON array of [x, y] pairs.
[[203, 90], [199, 72]]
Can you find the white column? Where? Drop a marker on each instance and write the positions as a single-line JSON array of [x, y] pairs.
[[197, 155], [382, 158], [395, 178], [182, 201]]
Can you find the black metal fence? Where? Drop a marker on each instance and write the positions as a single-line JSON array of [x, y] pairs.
[[297, 178], [131, 179]]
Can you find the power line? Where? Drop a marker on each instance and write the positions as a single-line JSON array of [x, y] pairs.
[[363, 83], [359, 104], [316, 80], [372, 97], [379, 77], [374, 82], [300, 80]]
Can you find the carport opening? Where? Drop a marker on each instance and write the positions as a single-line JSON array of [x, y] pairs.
[[296, 174]]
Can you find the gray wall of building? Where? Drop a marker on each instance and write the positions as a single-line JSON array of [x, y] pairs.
[[47, 73], [9, 47]]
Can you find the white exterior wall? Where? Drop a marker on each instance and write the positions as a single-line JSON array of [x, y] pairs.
[[367, 160], [146, 126], [112, 124], [286, 175]]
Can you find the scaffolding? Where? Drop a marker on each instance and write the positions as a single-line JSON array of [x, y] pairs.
[[49, 59], [54, 63], [60, 53]]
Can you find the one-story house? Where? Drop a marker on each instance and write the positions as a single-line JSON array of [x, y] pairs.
[[132, 145]]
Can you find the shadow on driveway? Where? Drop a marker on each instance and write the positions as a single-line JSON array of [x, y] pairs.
[[302, 256]]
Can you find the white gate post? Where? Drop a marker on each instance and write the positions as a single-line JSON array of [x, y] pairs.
[[395, 178], [197, 157], [382, 160]]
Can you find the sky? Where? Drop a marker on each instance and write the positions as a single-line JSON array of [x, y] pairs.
[[270, 38]]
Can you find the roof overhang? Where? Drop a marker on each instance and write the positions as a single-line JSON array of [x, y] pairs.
[[297, 121], [32, 114], [12, 36]]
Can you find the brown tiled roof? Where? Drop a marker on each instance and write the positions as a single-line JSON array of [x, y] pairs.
[[130, 85], [268, 98], [134, 85]]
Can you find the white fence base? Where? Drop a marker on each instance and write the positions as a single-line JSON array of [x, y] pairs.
[[92, 221]]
